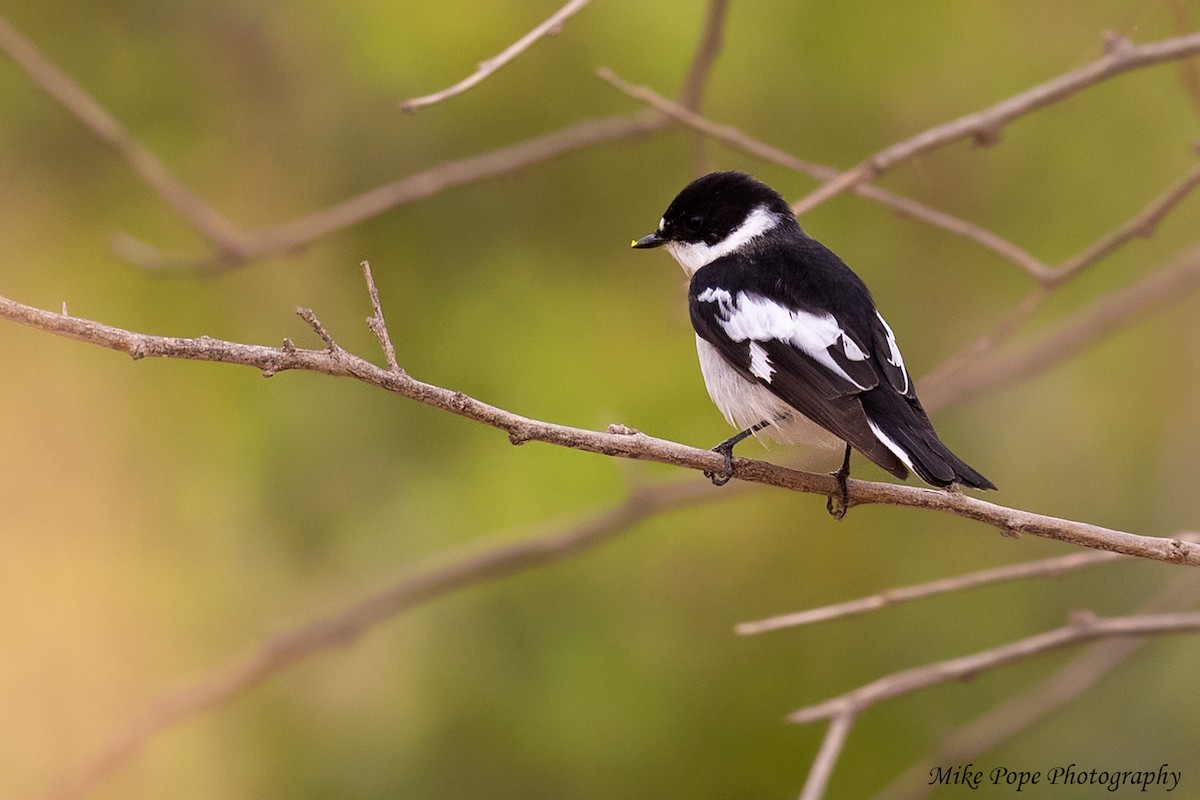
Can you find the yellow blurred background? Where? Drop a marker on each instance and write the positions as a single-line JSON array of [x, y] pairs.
[[160, 518]]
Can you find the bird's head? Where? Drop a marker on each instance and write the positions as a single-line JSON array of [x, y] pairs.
[[716, 215]]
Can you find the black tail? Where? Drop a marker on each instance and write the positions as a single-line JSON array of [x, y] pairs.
[[907, 427]]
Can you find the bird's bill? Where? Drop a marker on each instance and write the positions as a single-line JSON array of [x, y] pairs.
[[655, 239]]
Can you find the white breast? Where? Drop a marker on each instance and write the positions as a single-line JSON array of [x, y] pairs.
[[745, 404]]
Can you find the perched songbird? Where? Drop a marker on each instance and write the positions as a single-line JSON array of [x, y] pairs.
[[791, 346]]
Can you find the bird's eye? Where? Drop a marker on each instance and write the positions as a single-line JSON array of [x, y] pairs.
[[692, 224]]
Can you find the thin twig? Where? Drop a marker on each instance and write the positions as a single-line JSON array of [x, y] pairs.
[[706, 54], [1103, 317], [1142, 225], [377, 323], [1050, 567], [827, 756], [901, 205], [985, 126], [1188, 74], [305, 230], [1083, 627], [1076, 677], [106, 127], [550, 27], [692, 92]]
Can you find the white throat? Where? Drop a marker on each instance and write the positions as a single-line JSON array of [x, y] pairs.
[[694, 255]]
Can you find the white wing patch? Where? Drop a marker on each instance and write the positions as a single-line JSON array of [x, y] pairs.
[[756, 319], [760, 363], [694, 255], [893, 357]]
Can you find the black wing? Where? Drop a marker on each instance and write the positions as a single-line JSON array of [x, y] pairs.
[[840, 368]]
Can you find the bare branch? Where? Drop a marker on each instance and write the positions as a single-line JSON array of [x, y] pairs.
[[985, 126], [420, 185], [1102, 318], [1142, 225], [1050, 567], [901, 205], [236, 248], [203, 217], [337, 362], [178, 706], [1083, 627], [344, 627], [1035, 702], [827, 756], [1188, 74], [550, 27], [692, 92], [706, 55]]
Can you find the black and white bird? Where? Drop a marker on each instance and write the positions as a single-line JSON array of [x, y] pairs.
[[791, 345]]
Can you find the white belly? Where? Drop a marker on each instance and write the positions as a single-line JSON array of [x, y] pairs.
[[746, 404]]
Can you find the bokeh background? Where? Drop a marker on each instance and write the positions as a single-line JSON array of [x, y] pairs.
[[159, 518]]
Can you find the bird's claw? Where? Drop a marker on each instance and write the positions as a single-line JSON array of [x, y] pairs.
[[838, 510], [720, 479]]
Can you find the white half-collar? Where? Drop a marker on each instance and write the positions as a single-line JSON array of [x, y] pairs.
[[694, 255]]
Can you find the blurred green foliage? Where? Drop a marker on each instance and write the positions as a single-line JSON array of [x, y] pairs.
[[160, 518]]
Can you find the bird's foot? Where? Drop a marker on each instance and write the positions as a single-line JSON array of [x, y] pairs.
[[725, 448], [723, 477], [838, 510]]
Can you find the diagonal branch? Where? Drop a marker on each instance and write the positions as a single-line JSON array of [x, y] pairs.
[[176, 707], [827, 756], [307, 229], [343, 628], [1142, 225], [377, 323], [550, 27], [1035, 702], [985, 126], [235, 248], [336, 362], [1083, 627], [707, 51], [901, 205], [203, 217], [1104, 316], [1051, 567]]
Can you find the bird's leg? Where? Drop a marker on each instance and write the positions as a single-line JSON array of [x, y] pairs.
[[725, 448], [843, 472]]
